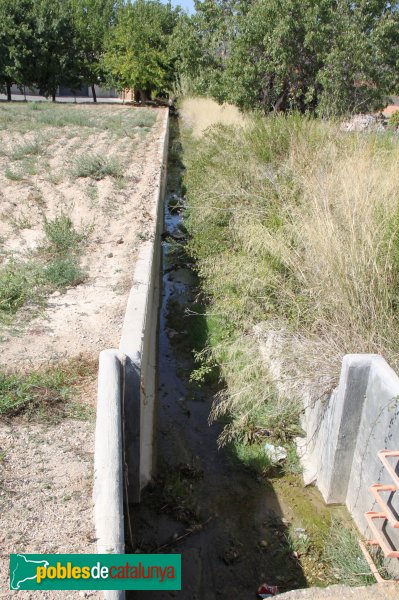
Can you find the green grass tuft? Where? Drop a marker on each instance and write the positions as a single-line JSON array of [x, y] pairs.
[[61, 235], [63, 272], [15, 286], [97, 167], [345, 560], [28, 149], [46, 393]]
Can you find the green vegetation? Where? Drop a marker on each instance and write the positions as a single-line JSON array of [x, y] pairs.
[[26, 284], [325, 57], [21, 118], [29, 149], [13, 175], [63, 273], [329, 57], [91, 21], [46, 393], [97, 167], [314, 257], [61, 235], [344, 558], [138, 54], [393, 122]]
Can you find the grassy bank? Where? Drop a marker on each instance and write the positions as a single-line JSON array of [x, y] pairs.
[[294, 228]]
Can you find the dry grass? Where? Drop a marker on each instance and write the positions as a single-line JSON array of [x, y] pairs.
[[201, 113], [296, 226]]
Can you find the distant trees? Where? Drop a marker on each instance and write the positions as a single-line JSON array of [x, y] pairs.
[[16, 43], [126, 44], [92, 20], [324, 56], [138, 52], [55, 49]]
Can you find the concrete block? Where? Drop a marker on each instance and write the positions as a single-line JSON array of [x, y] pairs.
[[339, 428], [139, 341], [379, 429], [108, 467]]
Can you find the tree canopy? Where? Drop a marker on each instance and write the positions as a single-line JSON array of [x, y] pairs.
[[330, 56], [138, 53], [323, 56]]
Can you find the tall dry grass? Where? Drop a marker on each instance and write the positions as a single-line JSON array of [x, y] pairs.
[[295, 224], [201, 113]]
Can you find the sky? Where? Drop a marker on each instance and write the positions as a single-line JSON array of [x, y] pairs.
[[188, 5]]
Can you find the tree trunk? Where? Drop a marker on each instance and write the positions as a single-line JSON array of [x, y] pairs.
[[143, 95], [8, 86], [53, 97], [93, 91]]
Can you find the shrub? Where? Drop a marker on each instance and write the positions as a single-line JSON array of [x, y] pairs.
[[15, 285], [63, 272], [97, 167], [28, 149], [393, 122], [61, 235]]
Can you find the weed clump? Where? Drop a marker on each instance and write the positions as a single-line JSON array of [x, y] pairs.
[[55, 267], [61, 235], [46, 393], [97, 167], [63, 272], [344, 558], [15, 286]]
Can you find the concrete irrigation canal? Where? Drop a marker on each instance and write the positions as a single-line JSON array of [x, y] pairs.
[[163, 484], [229, 526]]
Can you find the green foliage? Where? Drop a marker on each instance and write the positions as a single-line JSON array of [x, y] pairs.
[[13, 175], [16, 42], [253, 456], [29, 149], [137, 51], [63, 272], [326, 56], [92, 20], [97, 167], [393, 122], [202, 46], [27, 283], [62, 237], [344, 557], [55, 49], [257, 228], [16, 282]]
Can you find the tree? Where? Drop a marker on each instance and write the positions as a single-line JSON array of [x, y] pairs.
[[325, 56], [202, 44], [138, 54], [92, 20], [55, 47], [16, 43], [360, 64]]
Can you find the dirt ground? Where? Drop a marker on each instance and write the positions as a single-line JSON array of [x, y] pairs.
[[46, 470], [88, 317]]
